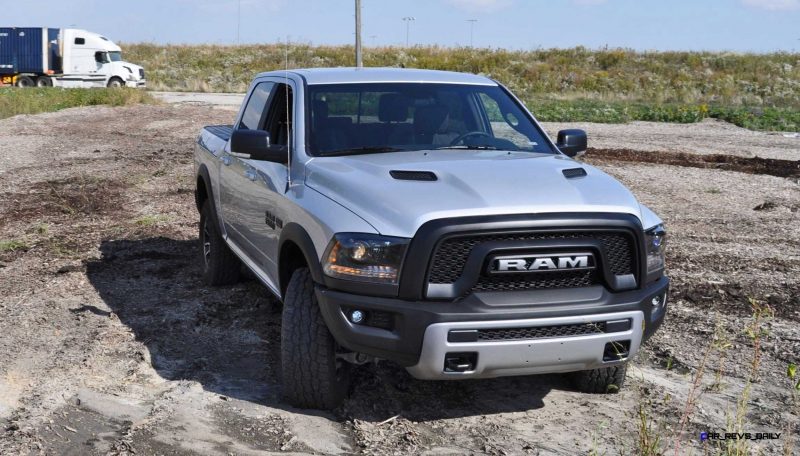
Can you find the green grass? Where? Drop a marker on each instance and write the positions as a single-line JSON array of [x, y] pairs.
[[12, 245], [14, 101], [757, 91]]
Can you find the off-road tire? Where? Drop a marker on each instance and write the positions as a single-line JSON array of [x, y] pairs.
[[220, 265], [606, 380], [115, 83], [312, 375]]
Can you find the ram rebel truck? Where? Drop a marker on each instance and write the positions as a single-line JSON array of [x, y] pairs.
[[425, 218]]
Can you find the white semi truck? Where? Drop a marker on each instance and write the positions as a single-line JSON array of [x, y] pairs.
[[44, 57]]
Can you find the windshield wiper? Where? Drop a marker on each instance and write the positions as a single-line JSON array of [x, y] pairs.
[[360, 150]]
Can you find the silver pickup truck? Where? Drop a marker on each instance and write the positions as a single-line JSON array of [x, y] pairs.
[[425, 218]]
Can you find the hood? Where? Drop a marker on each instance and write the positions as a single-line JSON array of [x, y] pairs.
[[469, 183]]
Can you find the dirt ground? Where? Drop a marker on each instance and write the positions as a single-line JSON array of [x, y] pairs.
[[110, 343]]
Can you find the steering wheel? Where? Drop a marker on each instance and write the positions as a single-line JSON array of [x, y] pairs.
[[469, 134]]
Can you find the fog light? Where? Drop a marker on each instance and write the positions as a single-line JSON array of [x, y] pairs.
[[656, 301], [357, 316]]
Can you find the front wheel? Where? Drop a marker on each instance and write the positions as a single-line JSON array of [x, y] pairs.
[[605, 380], [313, 375], [115, 83]]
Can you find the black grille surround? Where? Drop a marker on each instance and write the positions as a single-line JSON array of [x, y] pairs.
[[541, 332], [564, 230]]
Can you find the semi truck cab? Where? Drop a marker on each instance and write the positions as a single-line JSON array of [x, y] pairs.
[[72, 58]]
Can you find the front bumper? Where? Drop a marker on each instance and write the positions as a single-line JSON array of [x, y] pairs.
[[140, 84], [418, 335]]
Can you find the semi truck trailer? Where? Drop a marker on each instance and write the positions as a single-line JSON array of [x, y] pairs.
[[44, 57]]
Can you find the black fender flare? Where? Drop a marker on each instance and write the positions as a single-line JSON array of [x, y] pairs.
[[202, 173], [293, 232]]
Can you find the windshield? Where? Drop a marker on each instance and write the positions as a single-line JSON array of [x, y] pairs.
[[115, 56], [386, 117]]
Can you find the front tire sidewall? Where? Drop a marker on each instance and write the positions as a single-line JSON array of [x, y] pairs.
[[313, 377], [115, 83]]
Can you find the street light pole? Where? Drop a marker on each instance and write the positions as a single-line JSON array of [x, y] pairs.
[[408, 20], [471, 30], [359, 58]]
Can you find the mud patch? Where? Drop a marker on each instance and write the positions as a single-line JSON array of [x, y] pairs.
[[754, 165], [72, 196]]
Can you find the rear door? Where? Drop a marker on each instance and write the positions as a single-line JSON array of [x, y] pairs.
[[235, 185]]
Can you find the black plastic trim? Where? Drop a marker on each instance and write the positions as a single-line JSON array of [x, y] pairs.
[[413, 280], [403, 344], [297, 234]]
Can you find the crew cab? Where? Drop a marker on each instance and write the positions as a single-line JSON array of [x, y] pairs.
[[425, 218]]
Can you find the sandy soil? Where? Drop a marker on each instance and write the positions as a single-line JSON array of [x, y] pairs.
[[110, 344]]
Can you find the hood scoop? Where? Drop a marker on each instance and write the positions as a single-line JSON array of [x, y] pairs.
[[413, 175], [572, 173]]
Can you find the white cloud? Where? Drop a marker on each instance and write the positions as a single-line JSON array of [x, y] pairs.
[[481, 6], [773, 5]]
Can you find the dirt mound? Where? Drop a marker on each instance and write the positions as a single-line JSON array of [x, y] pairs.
[[755, 165]]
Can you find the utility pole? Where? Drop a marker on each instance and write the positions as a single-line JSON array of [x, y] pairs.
[[359, 58], [471, 30], [408, 20], [238, 20]]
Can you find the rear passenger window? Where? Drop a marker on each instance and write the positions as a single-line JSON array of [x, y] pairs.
[[80, 41], [253, 117]]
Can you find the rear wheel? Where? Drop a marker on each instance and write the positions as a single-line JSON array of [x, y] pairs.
[[606, 380], [25, 81], [115, 83], [313, 375], [220, 265], [44, 81]]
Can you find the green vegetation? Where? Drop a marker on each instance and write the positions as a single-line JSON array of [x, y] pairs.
[[757, 91], [15, 101], [12, 245], [151, 220]]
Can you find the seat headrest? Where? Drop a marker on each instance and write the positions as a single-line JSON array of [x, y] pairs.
[[320, 108], [429, 119], [393, 107]]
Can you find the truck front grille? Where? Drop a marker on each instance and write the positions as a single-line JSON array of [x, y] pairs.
[[141, 74], [451, 255], [541, 332]]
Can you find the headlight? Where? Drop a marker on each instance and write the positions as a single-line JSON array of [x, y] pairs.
[[655, 244], [365, 257]]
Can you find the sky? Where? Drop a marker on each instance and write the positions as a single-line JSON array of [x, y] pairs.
[[718, 25]]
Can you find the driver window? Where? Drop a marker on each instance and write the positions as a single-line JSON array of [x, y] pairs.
[[504, 126], [255, 111], [279, 119]]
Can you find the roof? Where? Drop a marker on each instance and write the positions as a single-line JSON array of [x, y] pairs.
[[360, 75]]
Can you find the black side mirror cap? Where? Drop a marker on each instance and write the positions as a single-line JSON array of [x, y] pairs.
[[572, 142], [255, 145]]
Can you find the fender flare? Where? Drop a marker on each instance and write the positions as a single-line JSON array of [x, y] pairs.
[[293, 232], [202, 173]]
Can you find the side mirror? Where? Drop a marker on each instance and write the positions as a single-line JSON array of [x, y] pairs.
[[255, 145], [572, 143]]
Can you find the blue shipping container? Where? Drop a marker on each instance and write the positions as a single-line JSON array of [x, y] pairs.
[[23, 50]]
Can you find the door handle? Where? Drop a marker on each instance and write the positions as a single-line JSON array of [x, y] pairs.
[[226, 160], [250, 174]]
